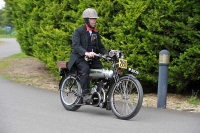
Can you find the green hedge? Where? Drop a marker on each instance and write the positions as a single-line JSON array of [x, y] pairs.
[[140, 28], [2, 30]]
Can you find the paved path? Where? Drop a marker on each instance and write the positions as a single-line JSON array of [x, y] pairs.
[[9, 47], [25, 109]]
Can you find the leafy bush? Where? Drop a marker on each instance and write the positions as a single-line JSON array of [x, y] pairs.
[[140, 28], [2, 30]]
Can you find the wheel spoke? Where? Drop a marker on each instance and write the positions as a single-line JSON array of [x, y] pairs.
[[69, 91], [125, 98]]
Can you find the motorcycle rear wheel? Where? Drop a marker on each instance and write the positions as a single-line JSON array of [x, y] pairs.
[[126, 97], [69, 93]]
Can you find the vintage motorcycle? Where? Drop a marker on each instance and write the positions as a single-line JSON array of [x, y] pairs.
[[113, 90]]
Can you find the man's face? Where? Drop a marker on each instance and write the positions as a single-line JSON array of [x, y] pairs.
[[92, 22]]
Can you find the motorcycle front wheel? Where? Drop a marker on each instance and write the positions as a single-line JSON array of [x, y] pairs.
[[69, 93], [126, 97]]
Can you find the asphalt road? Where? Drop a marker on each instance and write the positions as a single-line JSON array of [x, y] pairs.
[[9, 47], [25, 109]]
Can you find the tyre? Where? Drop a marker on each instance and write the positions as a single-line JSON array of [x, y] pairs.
[[126, 97], [70, 91]]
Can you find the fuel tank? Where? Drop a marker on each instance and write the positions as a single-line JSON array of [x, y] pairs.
[[101, 73]]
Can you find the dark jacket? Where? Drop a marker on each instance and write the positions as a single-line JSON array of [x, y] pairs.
[[80, 43]]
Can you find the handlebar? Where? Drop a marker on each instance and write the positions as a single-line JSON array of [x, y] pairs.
[[112, 55], [98, 55]]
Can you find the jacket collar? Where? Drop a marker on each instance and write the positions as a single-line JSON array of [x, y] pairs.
[[89, 28]]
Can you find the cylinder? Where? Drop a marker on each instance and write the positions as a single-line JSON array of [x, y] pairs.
[[164, 58]]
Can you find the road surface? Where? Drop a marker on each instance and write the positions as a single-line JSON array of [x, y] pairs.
[[25, 109]]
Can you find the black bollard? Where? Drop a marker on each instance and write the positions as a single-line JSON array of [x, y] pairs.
[[164, 56]]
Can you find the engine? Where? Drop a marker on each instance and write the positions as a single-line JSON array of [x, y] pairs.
[[98, 95]]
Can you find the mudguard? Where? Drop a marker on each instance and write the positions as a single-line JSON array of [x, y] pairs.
[[131, 75]]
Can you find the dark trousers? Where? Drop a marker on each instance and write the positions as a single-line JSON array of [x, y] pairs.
[[83, 68]]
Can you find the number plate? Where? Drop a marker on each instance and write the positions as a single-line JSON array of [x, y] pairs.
[[123, 63]]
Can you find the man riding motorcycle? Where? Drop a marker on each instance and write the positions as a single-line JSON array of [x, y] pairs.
[[86, 42]]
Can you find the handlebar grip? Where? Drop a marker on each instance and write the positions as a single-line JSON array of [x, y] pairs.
[[87, 58]]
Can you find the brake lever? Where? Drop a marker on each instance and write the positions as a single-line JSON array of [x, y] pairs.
[[106, 57]]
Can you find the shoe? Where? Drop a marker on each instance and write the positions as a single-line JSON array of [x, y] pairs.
[[87, 99]]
